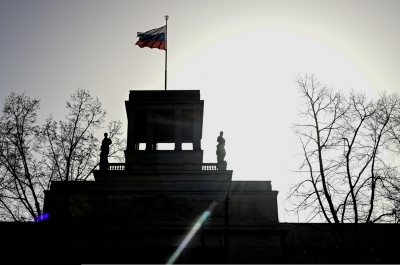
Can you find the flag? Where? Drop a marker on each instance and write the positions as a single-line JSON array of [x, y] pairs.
[[154, 38]]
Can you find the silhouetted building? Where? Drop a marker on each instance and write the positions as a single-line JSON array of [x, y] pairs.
[[151, 202], [145, 210]]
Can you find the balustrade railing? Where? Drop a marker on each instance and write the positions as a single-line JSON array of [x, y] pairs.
[[156, 167], [206, 166]]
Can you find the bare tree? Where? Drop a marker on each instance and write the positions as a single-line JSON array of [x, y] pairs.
[[71, 149], [22, 178], [32, 156], [70, 145], [116, 153], [344, 141], [389, 107]]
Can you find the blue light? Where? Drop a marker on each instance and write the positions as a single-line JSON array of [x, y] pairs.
[[41, 217]]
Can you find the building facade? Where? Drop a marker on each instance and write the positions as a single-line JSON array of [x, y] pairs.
[[160, 201]]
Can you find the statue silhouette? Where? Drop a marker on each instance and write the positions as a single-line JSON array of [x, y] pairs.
[[105, 150], [221, 148]]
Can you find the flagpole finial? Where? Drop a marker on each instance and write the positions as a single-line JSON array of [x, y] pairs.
[[166, 17]]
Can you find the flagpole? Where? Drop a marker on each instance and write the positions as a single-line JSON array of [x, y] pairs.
[[166, 19]]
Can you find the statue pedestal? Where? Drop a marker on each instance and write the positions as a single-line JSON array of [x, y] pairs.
[[222, 165]]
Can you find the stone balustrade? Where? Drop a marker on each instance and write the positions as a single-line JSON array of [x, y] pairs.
[[206, 166], [157, 167]]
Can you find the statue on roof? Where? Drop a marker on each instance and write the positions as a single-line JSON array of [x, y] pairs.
[[105, 150], [221, 148]]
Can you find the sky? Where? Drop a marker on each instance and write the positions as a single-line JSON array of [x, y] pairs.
[[243, 56]]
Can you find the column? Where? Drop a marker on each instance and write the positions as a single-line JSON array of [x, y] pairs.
[[149, 129], [196, 130], [178, 129], [131, 130]]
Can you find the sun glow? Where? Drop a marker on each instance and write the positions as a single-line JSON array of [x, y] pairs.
[[247, 82]]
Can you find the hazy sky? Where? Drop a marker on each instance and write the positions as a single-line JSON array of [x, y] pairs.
[[242, 55]]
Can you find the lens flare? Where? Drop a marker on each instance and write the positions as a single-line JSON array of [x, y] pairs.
[[41, 217], [189, 236]]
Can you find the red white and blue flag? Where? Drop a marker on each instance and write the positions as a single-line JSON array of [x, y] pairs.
[[154, 38]]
